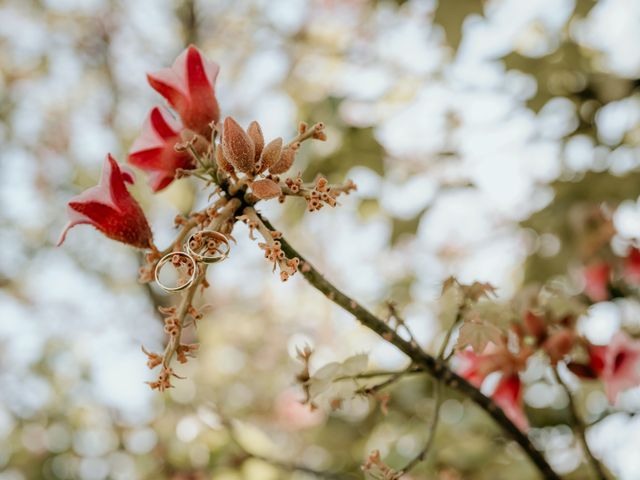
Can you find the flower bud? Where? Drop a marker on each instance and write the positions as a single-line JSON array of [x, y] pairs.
[[223, 163], [285, 162], [255, 133], [265, 189], [237, 146], [270, 155]]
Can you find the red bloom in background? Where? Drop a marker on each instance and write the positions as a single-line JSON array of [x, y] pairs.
[[154, 149], [596, 279], [508, 396], [508, 392], [189, 87], [616, 364], [472, 368], [632, 266], [111, 209]]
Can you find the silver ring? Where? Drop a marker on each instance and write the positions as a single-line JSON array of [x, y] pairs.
[[169, 258], [197, 241]]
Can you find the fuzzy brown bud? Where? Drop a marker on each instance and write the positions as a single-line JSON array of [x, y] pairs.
[[255, 133], [223, 163], [285, 162], [237, 146], [265, 189], [270, 155]]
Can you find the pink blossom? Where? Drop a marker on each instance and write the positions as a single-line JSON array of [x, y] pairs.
[[154, 149], [189, 87], [616, 364], [111, 209], [508, 396], [508, 392]]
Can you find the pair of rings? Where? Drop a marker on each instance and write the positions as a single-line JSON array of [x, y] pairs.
[[206, 246]]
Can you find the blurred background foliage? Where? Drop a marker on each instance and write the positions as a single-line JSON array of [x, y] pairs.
[[482, 134]]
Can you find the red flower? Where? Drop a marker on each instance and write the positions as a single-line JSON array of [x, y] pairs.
[[154, 149], [508, 392], [616, 364], [189, 87], [632, 266], [508, 396], [596, 278], [473, 367], [111, 209]]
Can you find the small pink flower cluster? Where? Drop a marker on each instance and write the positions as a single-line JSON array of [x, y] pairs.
[[617, 364]]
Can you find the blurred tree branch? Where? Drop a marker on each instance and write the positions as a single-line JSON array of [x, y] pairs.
[[436, 367]]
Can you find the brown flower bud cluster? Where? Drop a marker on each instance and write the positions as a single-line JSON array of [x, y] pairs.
[[164, 379], [172, 327], [245, 152], [317, 194], [273, 252], [271, 246]]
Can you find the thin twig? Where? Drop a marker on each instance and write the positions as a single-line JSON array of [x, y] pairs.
[[435, 367], [389, 381], [598, 469], [433, 426]]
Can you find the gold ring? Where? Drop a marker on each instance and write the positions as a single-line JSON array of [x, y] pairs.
[[210, 239], [170, 257]]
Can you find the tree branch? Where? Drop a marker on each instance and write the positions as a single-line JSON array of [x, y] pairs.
[[436, 368]]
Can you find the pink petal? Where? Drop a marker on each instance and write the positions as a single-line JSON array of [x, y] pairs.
[[621, 365], [508, 396]]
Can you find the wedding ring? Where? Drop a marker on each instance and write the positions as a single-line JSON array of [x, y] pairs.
[[176, 257], [208, 240]]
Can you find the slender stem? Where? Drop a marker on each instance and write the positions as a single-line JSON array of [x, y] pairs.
[[185, 303], [433, 427], [579, 425], [389, 381], [436, 368], [382, 373]]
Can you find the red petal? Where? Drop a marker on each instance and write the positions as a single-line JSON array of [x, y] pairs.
[[189, 87], [111, 209], [508, 396], [154, 150]]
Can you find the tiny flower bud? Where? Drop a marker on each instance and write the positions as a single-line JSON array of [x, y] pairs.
[[237, 146]]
